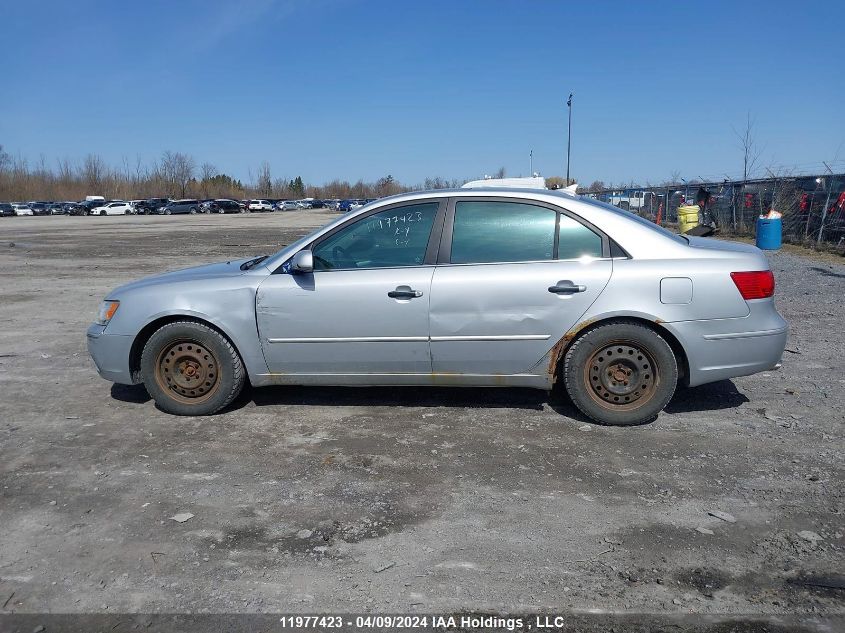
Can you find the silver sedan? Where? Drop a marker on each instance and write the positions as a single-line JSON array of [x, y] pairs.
[[467, 287]]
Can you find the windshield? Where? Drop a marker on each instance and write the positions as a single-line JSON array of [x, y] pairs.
[[641, 221]]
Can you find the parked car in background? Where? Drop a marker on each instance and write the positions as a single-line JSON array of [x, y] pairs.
[[317, 204], [115, 207], [357, 204], [75, 208], [150, 205], [6, 210], [39, 208], [344, 206], [88, 205], [179, 206], [21, 209], [57, 208], [621, 311], [223, 206], [260, 206], [288, 205]]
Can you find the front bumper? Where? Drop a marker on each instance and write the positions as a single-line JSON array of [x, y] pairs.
[[110, 354]]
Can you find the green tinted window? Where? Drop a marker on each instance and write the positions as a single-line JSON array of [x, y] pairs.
[[502, 232], [576, 240], [396, 237]]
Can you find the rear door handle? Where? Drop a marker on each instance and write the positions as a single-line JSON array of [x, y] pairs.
[[404, 292], [566, 287]]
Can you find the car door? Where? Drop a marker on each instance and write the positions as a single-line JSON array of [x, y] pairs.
[[364, 309], [513, 276]]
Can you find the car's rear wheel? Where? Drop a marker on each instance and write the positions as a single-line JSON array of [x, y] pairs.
[[190, 369], [620, 373], [193, 211]]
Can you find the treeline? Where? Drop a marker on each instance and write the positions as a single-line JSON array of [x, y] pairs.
[[175, 175]]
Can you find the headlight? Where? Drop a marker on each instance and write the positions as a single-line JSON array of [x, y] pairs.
[[107, 310]]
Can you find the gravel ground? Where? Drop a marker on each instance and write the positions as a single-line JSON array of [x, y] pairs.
[[400, 500]]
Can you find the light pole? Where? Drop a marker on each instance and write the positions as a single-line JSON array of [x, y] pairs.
[[531, 163], [569, 136]]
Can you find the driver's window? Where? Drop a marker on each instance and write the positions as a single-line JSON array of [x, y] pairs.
[[395, 237]]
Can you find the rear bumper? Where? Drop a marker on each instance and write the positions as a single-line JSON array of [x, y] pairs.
[[110, 354], [718, 349]]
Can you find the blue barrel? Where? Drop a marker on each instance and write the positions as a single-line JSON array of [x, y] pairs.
[[769, 233]]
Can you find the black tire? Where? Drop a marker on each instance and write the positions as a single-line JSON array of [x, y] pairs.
[[620, 373], [167, 212], [190, 369], [193, 211]]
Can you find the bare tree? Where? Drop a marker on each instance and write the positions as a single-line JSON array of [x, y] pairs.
[[386, 186], [750, 156], [207, 173], [93, 172], [177, 170], [264, 182], [748, 145]]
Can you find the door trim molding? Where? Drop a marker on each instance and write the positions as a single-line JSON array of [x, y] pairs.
[[353, 339], [484, 337], [412, 339]]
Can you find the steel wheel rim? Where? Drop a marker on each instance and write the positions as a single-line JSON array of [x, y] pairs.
[[188, 371], [622, 375]]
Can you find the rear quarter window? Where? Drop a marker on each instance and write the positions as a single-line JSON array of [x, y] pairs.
[[576, 240]]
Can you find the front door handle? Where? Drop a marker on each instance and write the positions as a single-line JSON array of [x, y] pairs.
[[404, 292], [566, 287]]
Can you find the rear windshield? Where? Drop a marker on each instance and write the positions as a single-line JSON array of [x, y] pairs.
[[641, 221]]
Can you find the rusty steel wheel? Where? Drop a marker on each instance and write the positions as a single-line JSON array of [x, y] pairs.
[[620, 372], [189, 371], [622, 375], [189, 368]]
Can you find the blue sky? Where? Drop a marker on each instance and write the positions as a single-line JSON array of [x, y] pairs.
[[358, 89]]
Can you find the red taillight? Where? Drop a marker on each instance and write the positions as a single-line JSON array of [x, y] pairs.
[[755, 284]]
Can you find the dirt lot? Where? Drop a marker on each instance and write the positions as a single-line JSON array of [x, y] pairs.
[[398, 500]]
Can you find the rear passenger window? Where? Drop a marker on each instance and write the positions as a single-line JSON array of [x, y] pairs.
[[485, 232], [576, 240]]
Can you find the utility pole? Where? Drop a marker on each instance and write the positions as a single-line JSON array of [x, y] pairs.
[[569, 137], [531, 163]]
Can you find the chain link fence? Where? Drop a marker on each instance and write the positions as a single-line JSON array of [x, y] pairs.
[[813, 207]]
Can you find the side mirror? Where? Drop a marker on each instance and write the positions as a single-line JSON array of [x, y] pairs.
[[302, 262]]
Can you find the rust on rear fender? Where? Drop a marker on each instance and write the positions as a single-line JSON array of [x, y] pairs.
[[557, 351]]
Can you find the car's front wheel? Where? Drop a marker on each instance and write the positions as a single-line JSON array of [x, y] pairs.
[[190, 369], [620, 373]]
